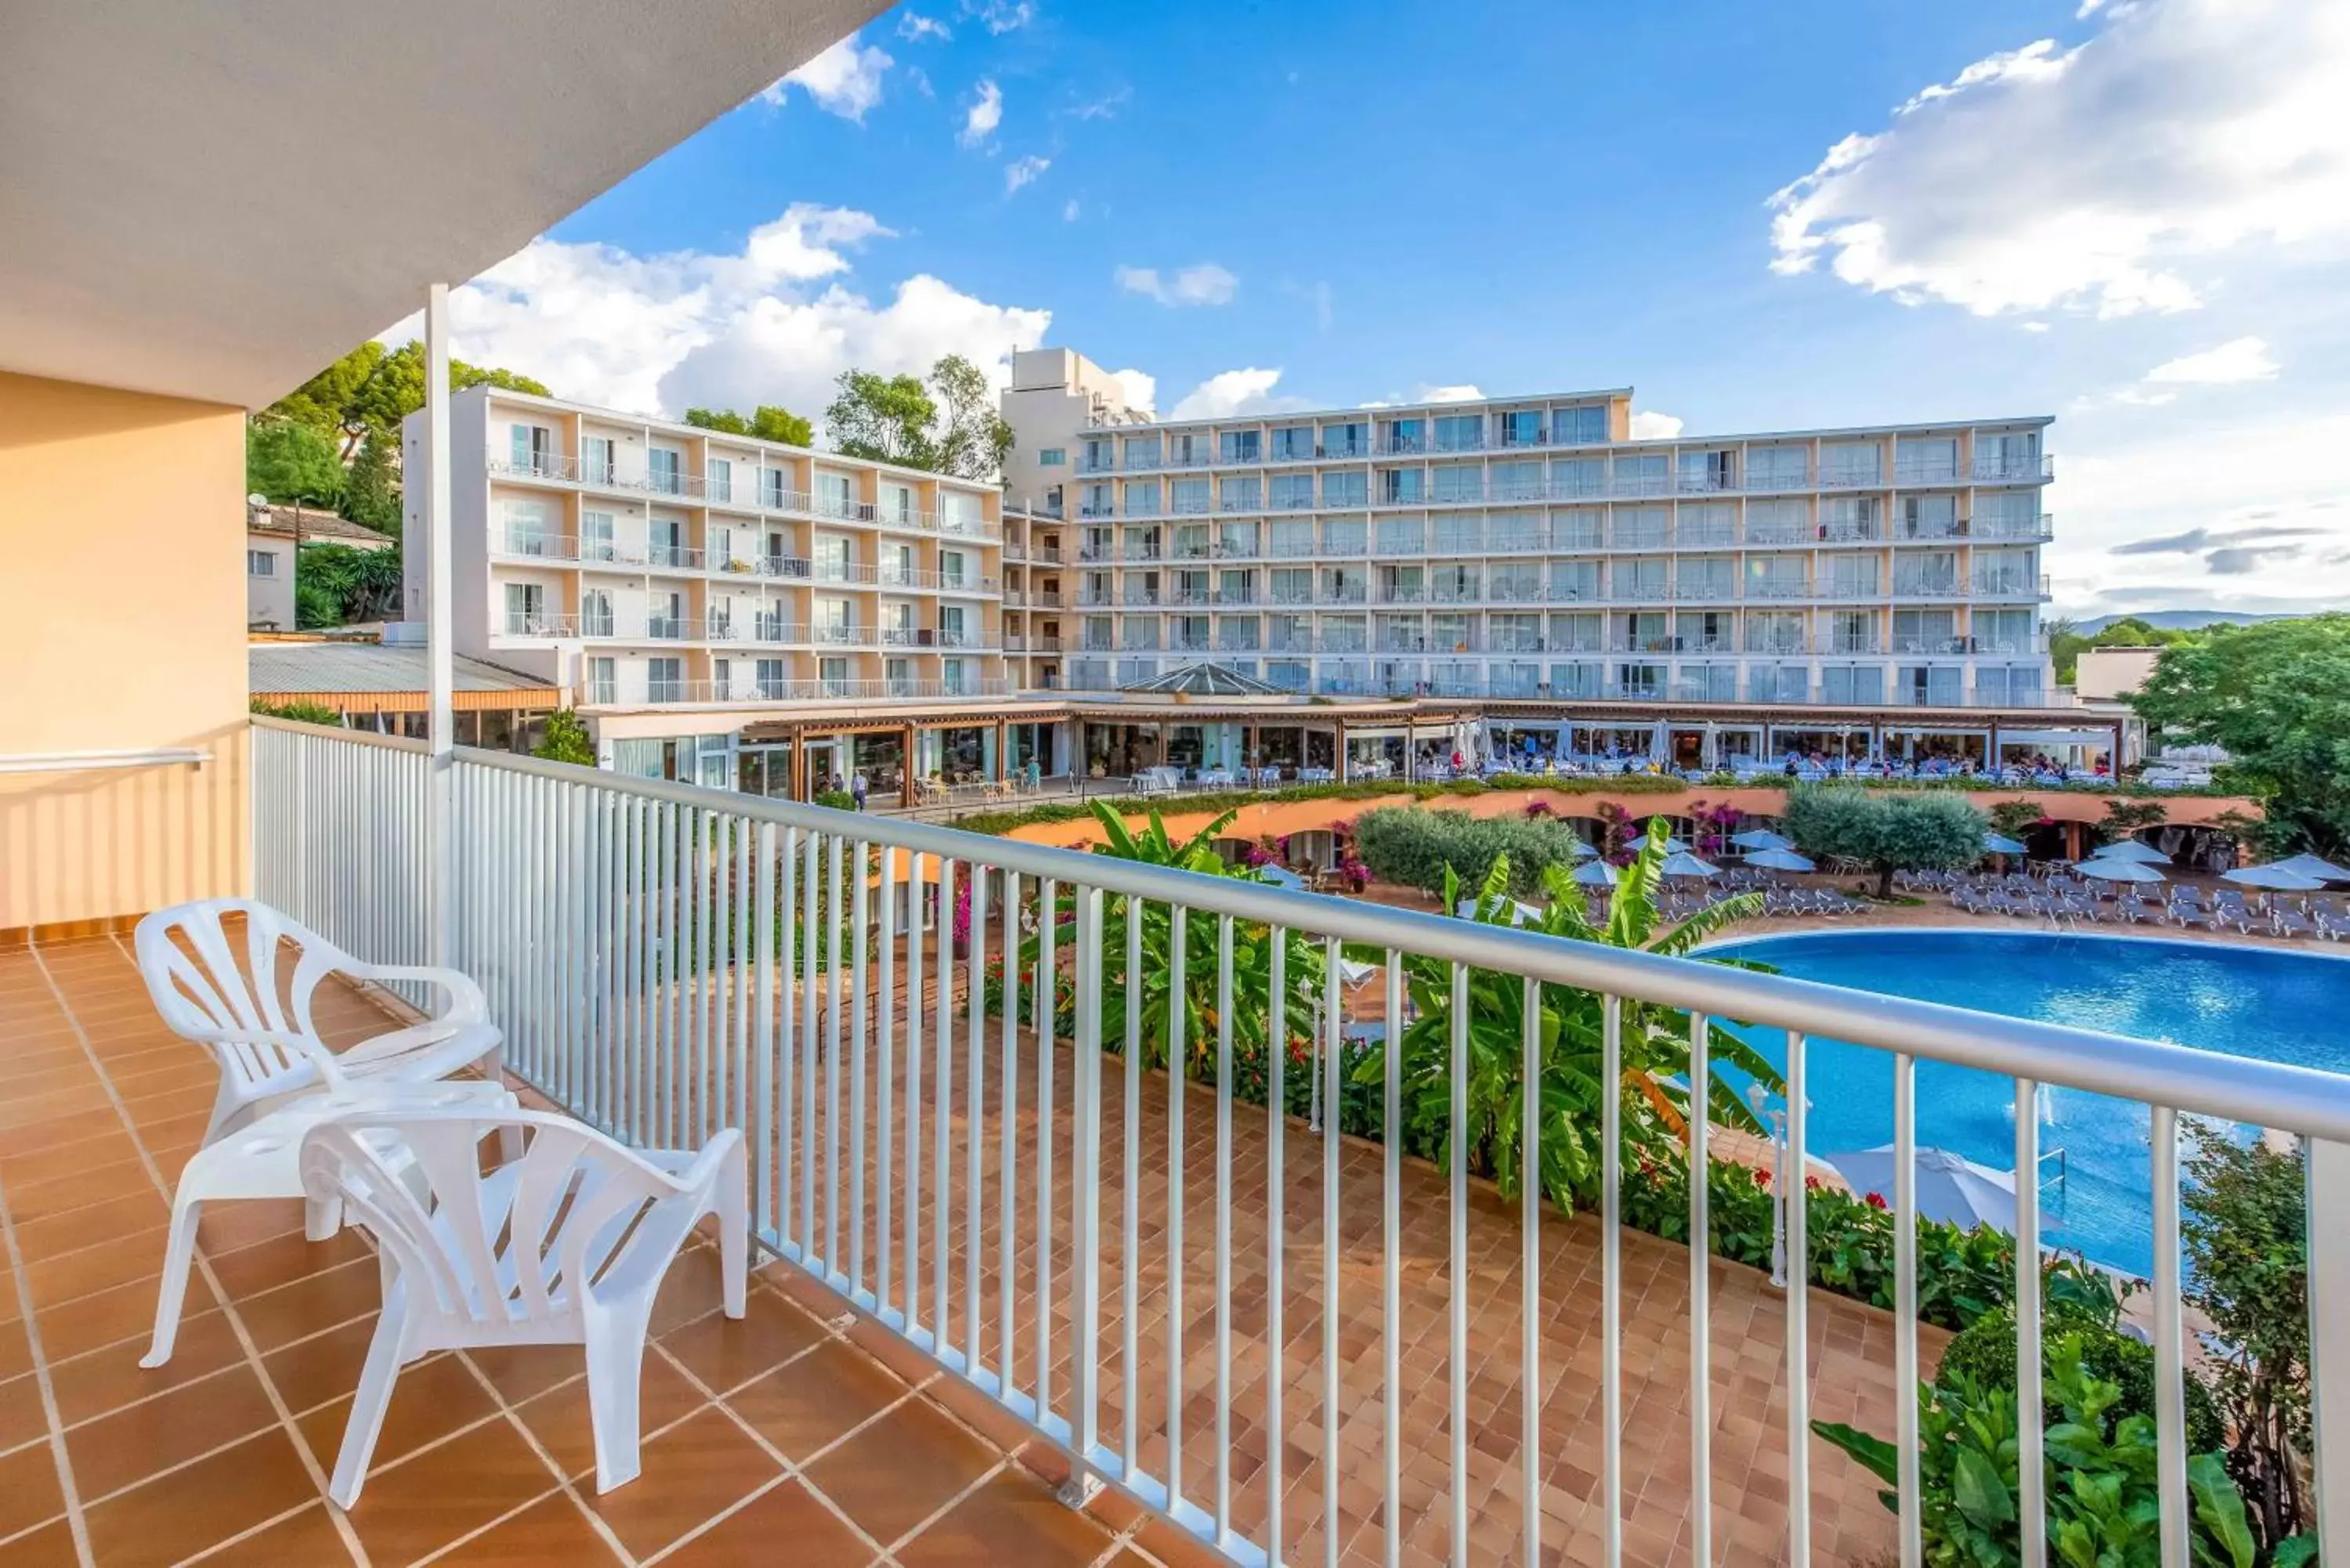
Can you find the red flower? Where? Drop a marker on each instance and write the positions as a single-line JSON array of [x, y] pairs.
[[1761, 1178], [1876, 1200], [1811, 1184]]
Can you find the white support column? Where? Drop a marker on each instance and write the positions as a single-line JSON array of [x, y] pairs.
[[439, 624]]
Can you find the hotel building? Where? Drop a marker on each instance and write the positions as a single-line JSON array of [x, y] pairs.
[[1295, 587], [699, 593], [1530, 549]]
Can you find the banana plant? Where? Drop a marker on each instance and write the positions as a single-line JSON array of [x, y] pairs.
[[1569, 1040], [1194, 991]]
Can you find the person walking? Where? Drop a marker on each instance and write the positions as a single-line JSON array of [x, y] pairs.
[[857, 788]]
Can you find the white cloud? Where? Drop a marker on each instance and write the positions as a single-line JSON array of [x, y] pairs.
[[982, 115], [1023, 172], [2129, 480], [1230, 392], [914, 27], [1139, 388], [2239, 360], [774, 323], [1000, 17], [1649, 425], [1102, 107], [844, 80], [1466, 392], [1203, 284], [1070, 211], [2104, 177]]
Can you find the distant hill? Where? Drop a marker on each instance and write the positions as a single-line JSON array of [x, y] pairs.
[[2177, 620]]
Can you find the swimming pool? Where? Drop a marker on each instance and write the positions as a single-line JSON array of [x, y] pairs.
[[2277, 1005]]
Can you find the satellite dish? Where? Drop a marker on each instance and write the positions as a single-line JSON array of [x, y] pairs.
[[257, 499]]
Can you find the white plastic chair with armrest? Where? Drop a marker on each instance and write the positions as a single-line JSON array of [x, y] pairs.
[[248, 1001], [566, 1245]]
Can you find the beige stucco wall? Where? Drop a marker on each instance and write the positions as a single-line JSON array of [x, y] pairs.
[[122, 606], [2110, 674]]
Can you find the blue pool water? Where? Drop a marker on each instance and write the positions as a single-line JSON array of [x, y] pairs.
[[2279, 1006]]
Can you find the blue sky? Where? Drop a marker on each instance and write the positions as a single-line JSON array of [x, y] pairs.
[[2133, 214]]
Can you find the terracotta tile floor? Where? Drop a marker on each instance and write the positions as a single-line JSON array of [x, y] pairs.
[[776, 1439], [807, 1424]]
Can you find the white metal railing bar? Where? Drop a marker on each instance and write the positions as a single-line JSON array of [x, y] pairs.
[[1611, 1288], [1700, 1288], [1905, 1303], [81, 761], [2170, 1344], [669, 960], [1390, 1254], [1798, 1350], [2030, 1417]]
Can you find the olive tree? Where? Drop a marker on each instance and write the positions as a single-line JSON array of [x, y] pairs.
[[1926, 831]]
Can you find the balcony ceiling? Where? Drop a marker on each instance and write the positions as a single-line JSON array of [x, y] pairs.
[[213, 202]]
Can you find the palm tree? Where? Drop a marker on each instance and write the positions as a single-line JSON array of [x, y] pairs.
[[1655, 1040]]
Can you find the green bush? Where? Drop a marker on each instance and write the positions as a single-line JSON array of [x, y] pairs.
[[566, 739], [1416, 847], [838, 799], [2102, 1484], [300, 712], [1984, 1352]]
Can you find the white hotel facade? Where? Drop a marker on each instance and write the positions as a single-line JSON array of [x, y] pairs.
[[742, 612], [1527, 548]]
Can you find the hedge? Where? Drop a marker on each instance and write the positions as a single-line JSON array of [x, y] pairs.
[[1415, 847]]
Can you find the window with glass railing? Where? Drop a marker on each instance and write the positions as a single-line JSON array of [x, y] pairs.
[[1581, 633], [1346, 488], [1851, 463], [1578, 476], [596, 460], [1852, 685], [1640, 527], [1642, 473], [1241, 446], [1458, 482], [664, 471], [1240, 493], [1581, 425], [1294, 492], [1348, 438], [1778, 467], [1142, 451], [1191, 495], [1574, 580], [1459, 432], [1293, 443], [1402, 486]]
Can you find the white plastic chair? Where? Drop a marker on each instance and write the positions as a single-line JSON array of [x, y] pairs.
[[261, 1158], [565, 1244], [249, 1004]]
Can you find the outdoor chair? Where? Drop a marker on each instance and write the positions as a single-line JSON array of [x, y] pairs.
[[564, 1243], [2288, 921], [248, 998]]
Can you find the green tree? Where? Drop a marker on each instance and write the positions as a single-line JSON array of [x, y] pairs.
[[948, 424], [371, 488], [884, 418], [335, 585], [1568, 1028], [2064, 644], [1886, 833], [370, 389], [2276, 695], [977, 439], [566, 739], [325, 402], [2247, 1245], [767, 422], [289, 461]]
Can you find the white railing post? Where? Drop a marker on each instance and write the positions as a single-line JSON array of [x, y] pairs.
[[2328, 1173], [439, 619]]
